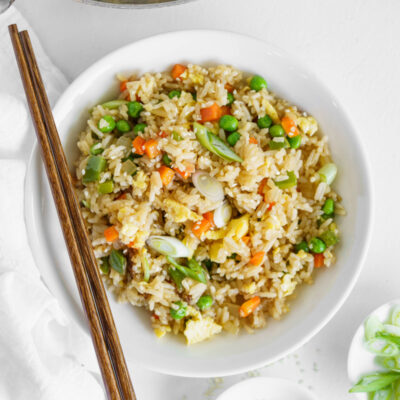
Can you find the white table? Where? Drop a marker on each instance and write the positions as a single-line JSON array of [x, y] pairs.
[[354, 47]]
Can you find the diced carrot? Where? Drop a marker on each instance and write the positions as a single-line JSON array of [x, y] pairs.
[[211, 113], [289, 126], [210, 217], [178, 70], [111, 234], [151, 148], [138, 145], [131, 244], [257, 258], [262, 186], [155, 316], [249, 306], [163, 134], [200, 227], [166, 174], [122, 86], [225, 110], [246, 240], [185, 173], [270, 204], [122, 196], [253, 140], [229, 87], [319, 260]]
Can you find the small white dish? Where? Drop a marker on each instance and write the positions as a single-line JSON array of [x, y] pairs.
[[314, 305], [266, 388], [360, 361]]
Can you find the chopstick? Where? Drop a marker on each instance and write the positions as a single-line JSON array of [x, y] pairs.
[[87, 276]]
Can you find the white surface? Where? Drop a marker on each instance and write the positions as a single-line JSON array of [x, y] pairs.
[[41, 353], [314, 306], [360, 361], [263, 388], [353, 47]]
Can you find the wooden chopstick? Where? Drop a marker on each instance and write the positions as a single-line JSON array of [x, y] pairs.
[[104, 335]]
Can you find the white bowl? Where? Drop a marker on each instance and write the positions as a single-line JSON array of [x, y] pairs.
[[314, 306], [360, 361], [266, 388]]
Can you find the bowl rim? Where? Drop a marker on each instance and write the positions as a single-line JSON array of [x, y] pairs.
[[363, 247]]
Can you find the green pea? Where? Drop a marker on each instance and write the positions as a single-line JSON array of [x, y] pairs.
[[228, 123], [328, 207], [233, 138], [123, 126], [230, 98], [117, 261], [104, 265], [204, 302], [86, 203], [96, 149], [264, 122], [139, 128], [316, 245], [174, 93], [134, 109], [106, 187], [106, 124], [302, 246], [295, 141], [179, 311], [257, 83], [166, 160], [276, 131]]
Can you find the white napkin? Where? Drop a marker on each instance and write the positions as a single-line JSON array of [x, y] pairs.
[[38, 345]]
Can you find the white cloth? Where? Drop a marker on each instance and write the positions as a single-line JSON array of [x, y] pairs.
[[38, 345]]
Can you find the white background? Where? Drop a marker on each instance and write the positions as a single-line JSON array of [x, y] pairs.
[[354, 46]]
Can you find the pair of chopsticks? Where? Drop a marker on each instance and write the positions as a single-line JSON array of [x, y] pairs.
[[87, 276]]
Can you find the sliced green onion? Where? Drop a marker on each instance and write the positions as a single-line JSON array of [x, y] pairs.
[[128, 167], [208, 186], [113, 104], [106, 187], [222, 214], [176, 136], [383, 394], [396, 390], [193, 271], [96, 149], [287, 183], [104, 265], [329, 207], [168, 246], [126, 142], [94, 166], [329, 238], [372, 326], [174, 93], [328, 173], [145, 265], [396, 316], [374, 382], [86, 203], [278, 143], [214, 144], [393, 330], [166, 160], [391, 338], [391, 363], [117, 261], [177, 277], [382, 347]]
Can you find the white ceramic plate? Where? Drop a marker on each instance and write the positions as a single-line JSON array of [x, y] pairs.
[[360, 361], [314, 305], [266, 389]]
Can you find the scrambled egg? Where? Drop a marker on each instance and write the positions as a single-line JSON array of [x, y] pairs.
[[199, 329], [308, 125], [196, 78], [180, 213], [270, 110], [288, 285], [140, 180]]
